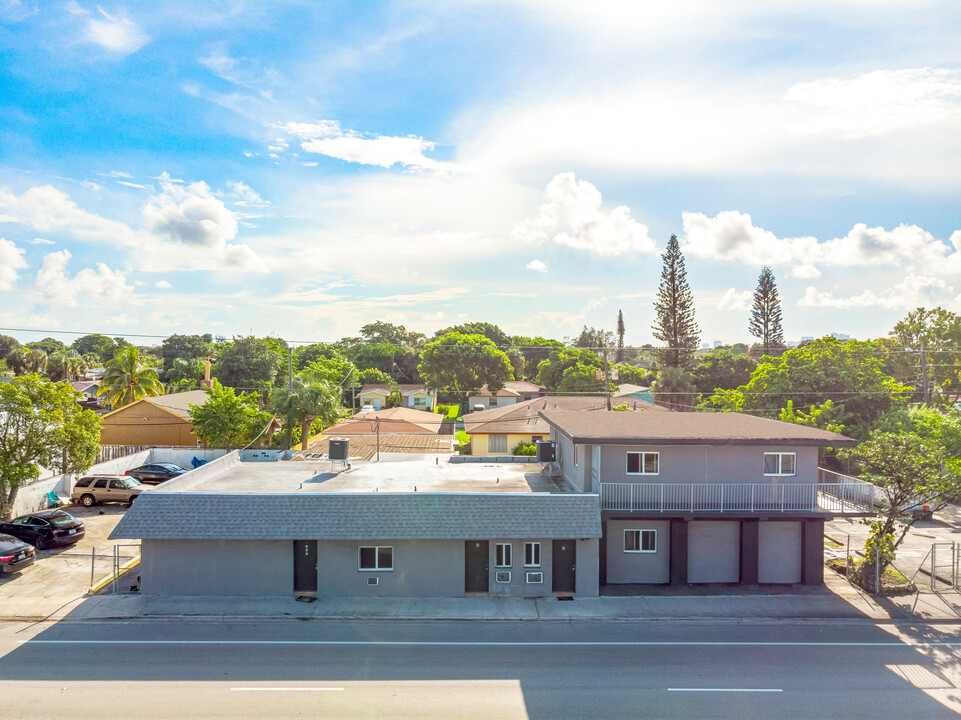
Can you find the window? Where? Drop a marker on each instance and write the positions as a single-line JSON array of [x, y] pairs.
[[420, 401], [101, 483], [497, 443], [502, 576], [380, 557], [536, 438], [780, 463], [534, 577], [117, 485], [532, 554], [502, 555], [83, 482], [640, 541], [643, 463], [366, 401]]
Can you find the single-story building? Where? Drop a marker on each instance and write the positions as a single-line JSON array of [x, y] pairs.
[[393, 420], [162, 421], [415, 396]]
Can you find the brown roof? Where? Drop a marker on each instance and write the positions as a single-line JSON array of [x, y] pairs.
[[364, 447], [522, 386], [385, 389], [503, 392], [523, 418], [393, 420], [174, 403], [681, 428]]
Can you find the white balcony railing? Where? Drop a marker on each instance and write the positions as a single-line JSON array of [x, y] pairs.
[[838, 497]]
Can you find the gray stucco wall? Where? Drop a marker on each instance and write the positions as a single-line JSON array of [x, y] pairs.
[[707, 464], [779, 552], [579, 475], [430, 568], [629, 567], [518, 586], [588, 566], [217, 567], [714, 551]]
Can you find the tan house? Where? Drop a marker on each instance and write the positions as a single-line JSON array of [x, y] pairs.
[[393, 420], [415, 396], [159, 421], [498, 431]]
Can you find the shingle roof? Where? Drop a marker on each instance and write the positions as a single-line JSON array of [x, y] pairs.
[[405, 389], [523, 418], [681, 428], [522, 386], [392, 420], [503, 392], [380, 516], [177, 402]]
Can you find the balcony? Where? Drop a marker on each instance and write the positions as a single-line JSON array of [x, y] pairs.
[[833, 493]]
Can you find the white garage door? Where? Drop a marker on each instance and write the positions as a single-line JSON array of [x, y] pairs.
[[714, 552], [779, 552]]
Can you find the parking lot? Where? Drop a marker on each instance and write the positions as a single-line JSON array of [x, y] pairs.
[[65, 572]]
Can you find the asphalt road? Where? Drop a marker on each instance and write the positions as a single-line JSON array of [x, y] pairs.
[[284, 669]]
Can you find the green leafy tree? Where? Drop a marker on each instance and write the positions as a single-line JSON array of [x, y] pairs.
[[535, 350], [371, 376], [619, 357], [550, 372], [41, 424], [675, 311], [674, 388], [228, 419], [939, 331], [721, 369], [850, 373], [306, 354], [7, 345], [628, 374], [488, 330], [99, 346], [186, 373], [185, 347], [303, 403], [385, 333], [765, 322], [16, 360], [250, 363], [593, 338], [380, 356], [48, 346], [36, 361], [127, 379], [908, 470], [580, 378], [825, 416], [462, 363]]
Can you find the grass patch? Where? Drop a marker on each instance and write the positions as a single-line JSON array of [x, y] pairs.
[[451, 412], [462, 437], [833, 544]]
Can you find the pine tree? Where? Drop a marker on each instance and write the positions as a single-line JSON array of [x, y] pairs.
[[619, 357], [765, 320], [675, 311]]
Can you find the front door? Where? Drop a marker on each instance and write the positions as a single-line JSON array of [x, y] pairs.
[[305, 567], [563, 566], [476, 566]]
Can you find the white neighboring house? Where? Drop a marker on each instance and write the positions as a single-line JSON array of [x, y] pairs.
[[415, 396], [514, 391]]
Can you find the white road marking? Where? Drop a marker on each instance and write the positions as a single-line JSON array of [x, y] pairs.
[[284, 689], [772, 690], [467, 643]]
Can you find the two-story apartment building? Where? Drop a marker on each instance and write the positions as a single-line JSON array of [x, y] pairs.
[[704, 497]]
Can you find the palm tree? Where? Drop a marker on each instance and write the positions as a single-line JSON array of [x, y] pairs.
[[126, 379], [305, 402], [17, 360], [36, 361]]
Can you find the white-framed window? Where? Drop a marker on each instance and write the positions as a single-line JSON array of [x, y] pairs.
[[420, 401], [375, 557], [534, 577], [532, 554], [780, 463], [640, 540], [502, 576], [502, 555], [497, 443], [366, 401], [643, 463]]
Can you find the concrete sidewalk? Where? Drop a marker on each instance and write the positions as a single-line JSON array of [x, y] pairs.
[[838, 601]]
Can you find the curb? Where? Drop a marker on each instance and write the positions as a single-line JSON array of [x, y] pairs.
[[124, 569]]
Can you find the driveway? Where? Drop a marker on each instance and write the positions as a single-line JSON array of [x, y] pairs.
[[64, 572], [944, 527]]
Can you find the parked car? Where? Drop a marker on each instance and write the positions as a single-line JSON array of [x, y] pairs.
[[156, 473], [15, 554], [93, 489], [45, 528]]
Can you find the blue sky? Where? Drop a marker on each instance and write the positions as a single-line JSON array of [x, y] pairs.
[[301, 169]]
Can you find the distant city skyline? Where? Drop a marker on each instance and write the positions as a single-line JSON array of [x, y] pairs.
[[300, 171]]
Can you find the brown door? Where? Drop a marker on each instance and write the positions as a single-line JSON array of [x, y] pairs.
[[305, 567], [476, 566], [563, 566]]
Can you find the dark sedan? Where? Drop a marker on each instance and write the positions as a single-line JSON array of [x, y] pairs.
[[46, 528], [15, 554], [156, 473]]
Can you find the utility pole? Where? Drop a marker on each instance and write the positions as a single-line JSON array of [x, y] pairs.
[[607, 380], [924, 377], [290, 390]]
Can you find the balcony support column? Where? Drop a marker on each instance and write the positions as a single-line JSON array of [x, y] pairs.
[[678, 552], [749, 551], [812, 552]]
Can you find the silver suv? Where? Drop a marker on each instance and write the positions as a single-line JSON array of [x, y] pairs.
[[94, 489]]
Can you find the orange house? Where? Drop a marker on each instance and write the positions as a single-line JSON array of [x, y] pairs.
[[159, 421]]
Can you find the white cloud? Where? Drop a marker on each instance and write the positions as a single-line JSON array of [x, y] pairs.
[[88, 284], [42, 241], [573, 216], [133, 185], [326, 137], [46, 209], [731, 235], [537, 265], [808, 272], [162, 285], [116, 33], [876, 103], [913, 291], [244, 195], [11, 260], [734, 300], [191, 215], [122, 319]]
